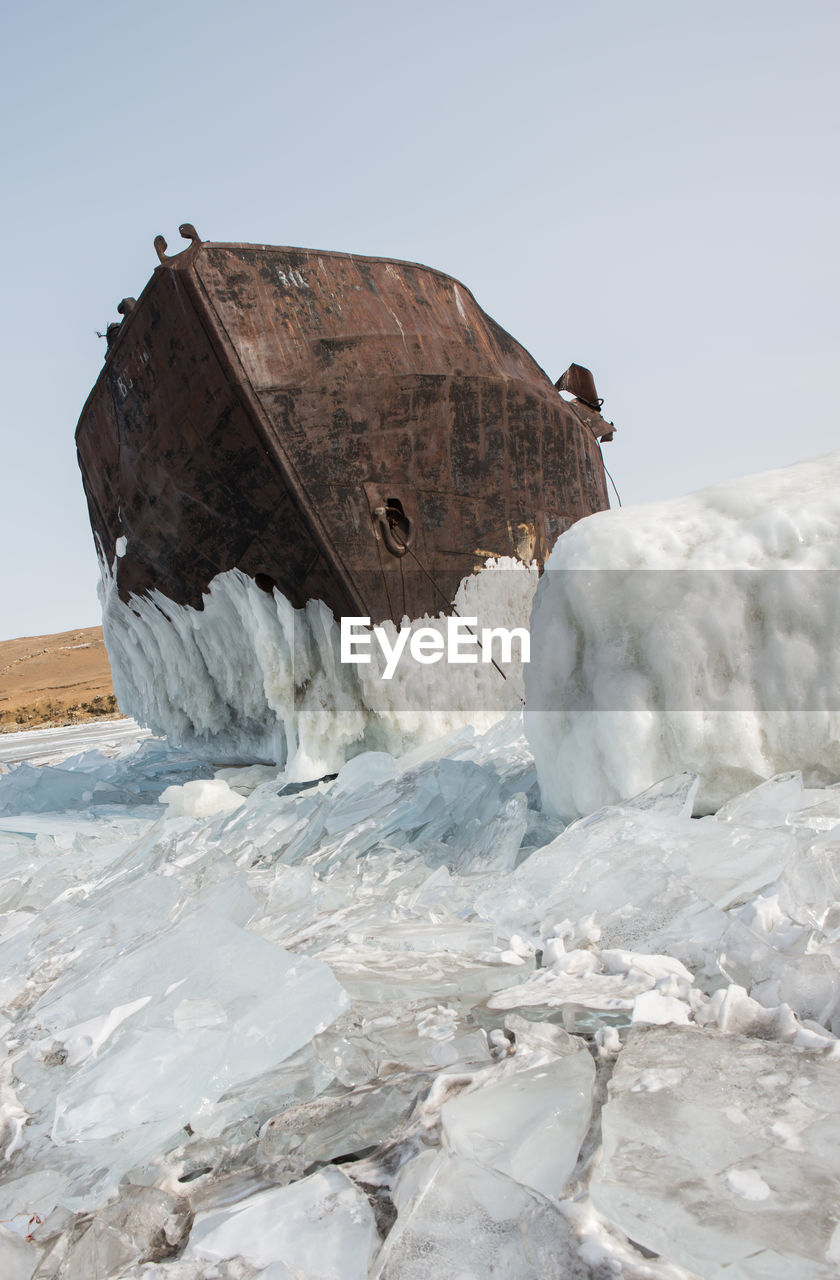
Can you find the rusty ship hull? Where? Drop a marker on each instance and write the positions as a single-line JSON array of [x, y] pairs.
[[343, 428]]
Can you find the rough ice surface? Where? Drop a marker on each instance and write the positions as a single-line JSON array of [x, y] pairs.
[[322, 1226], [697, 633], [529, 1125], [248, 677], [415, 1019], [722, 1152], [367, 1026], [459, 1218]]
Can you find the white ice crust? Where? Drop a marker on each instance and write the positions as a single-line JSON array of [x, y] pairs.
[[697, 633], [242, 1024], [248, 677], [407, 1023]]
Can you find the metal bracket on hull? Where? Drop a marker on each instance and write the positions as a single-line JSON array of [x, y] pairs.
[[395, 526], [392, 521], [579, 382], [188, 231]]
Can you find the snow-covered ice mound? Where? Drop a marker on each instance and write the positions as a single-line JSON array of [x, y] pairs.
[[367, 1027], [698, 633], [248, 677]]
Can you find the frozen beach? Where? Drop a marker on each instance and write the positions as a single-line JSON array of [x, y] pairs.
[[356, 1030], [556, 999]]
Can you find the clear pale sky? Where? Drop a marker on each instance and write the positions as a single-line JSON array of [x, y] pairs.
[[648, 187]]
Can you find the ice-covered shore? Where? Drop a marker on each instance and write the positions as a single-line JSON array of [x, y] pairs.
[[698, 633], [249, 677], [403, 1021], [405, 1024]]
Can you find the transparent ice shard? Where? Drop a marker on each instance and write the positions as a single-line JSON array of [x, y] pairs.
[[28, 789], [266, 1004], [674, 795], [654, 880], [729, 871], [338, 1125], [820, 811], [529, 1125], [451, 812], [94, 780], [320, 1226], [223, 1135], [809, 886], [697, 1125], [766, 805], [458, 1218], [372, 1041], [809, 983], [144, 1224], [642, 872], [18, 1259]]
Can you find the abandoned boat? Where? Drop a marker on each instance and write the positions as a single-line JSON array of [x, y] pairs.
[[344, 428]]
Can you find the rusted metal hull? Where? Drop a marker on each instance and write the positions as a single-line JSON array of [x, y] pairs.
[[302, 416]]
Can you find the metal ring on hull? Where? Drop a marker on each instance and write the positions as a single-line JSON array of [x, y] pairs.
[[387, 530]]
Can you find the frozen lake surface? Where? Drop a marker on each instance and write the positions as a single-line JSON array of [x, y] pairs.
[[404, 1023], [479, 1005], [40, 746]]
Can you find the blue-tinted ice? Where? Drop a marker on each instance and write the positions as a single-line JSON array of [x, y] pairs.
[[344, 1029]]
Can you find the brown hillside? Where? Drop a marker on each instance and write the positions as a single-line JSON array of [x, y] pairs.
[[54, 680]]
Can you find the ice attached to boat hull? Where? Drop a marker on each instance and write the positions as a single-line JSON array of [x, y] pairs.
[[697, 633], [248, 677]]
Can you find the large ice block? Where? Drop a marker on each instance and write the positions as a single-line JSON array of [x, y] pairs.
[[211, 1005], [697, 633], [320, 1226], [529, 1125], [458, 1218], [721, 1153]]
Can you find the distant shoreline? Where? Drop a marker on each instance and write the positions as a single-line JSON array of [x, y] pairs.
[[54, 681]]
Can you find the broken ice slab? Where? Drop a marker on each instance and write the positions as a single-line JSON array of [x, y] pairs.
[[144, 1224], [593, 988], [320, 1226], [529, 1125], [178, 1269], [92, 780], [370, 973], [644, 872], [18, 1258], [674, 795], [722, 1153], [339, 1125], [247, 778], [224, 1135], [809, 886], [451, 812], [809, 983], [457, 1218], [184, 1016], [371, 1041], [820, 811], [27, 789], [766, 805]]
